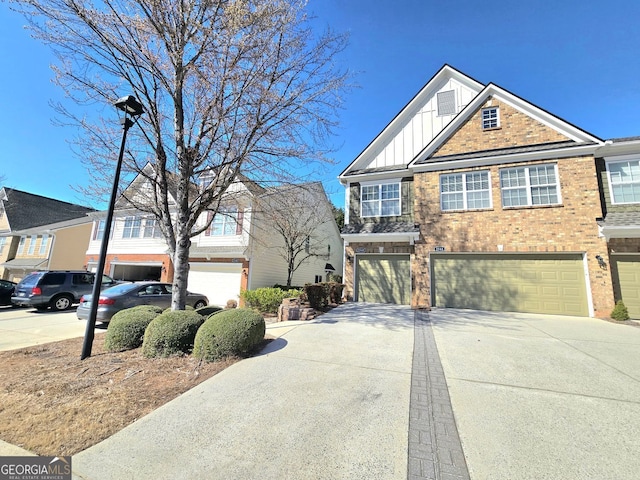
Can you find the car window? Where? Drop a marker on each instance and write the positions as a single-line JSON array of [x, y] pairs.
[[53, 279], [31, 279], [120, 289], [5, 284], [83, 279], [106, 279]]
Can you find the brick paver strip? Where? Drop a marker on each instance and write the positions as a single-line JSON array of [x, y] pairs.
[[435, 452]]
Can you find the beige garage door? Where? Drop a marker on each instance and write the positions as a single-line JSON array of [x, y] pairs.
[[542, 283], [383, 279], [628, 267]]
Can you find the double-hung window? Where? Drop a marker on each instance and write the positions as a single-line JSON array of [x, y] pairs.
[[23, 240], [32, 245], [530, 186], [151, 228], [624, 181], [43, 244], [225, 222], [465, 191], [131, 227], [381, 200]]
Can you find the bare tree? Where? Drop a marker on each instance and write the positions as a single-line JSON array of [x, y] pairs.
[[297, 215], [229, 86]]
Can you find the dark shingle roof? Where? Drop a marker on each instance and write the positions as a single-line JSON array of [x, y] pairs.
[[26, 210], [389, 227], [621, 219]]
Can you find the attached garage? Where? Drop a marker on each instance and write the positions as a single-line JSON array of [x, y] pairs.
[[218, 281], [383, 279], [534, 283], [135, 272], [628, 284]]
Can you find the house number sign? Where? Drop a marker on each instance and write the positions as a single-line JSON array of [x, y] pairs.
[[439, 249]]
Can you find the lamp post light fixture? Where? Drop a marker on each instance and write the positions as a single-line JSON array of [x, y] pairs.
[[132, 109]]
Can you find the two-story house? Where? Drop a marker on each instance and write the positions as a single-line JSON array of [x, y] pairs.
[[475, 198], [240, 249], [40, 233]]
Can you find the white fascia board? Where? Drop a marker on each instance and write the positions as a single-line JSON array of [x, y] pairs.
[[409, 237], [502, 159], [631, 231], [610, 149]]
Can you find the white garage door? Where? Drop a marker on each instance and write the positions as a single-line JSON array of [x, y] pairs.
[[219, 282]]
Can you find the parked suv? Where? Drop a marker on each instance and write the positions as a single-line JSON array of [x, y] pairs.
[[58, 289]]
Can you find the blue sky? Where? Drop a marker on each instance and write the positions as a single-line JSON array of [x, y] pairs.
[[577, 59]]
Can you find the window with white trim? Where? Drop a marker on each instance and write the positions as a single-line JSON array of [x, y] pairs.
[[530, 186], [151, 228], [225, 222], [32, 245], [465, 191], [23, 240], [490, 118], [624, 181], [3, 241], [43, 244], [131, 227], [381, 200], [98, 231]]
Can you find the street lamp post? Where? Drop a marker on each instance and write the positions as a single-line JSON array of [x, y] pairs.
[[132, 109]]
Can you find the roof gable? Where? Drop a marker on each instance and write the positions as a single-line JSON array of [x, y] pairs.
[[522, 125], [415, 126], [25, 210]]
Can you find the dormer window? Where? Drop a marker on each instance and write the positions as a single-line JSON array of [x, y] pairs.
[[490, 118]]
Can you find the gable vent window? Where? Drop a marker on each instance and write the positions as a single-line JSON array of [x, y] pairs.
[[490, 118], [447, 103]]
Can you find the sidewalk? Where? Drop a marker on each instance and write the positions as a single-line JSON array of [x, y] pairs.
[[329, 399]]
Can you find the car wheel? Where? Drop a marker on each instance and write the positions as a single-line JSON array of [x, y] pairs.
[[63, 302], [200, 304]]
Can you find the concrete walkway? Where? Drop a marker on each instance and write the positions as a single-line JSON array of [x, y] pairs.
[[542, 397], [329, 399]]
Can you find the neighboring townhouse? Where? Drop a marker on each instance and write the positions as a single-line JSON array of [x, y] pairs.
[[618, 166], [475, 198], [40, 233], [239, 250]]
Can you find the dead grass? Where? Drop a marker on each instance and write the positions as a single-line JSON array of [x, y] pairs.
[[53, 403]]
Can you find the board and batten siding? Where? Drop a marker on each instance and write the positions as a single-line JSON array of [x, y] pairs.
[[406, 141]]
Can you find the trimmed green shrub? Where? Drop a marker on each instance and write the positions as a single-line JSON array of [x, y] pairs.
[[267, 300], [317, 294], [321, 294], [208, 310], [126, 328], [231, 332], [620, 311], [171, 333]]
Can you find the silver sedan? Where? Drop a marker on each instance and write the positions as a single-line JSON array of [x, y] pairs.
[[127, 295]]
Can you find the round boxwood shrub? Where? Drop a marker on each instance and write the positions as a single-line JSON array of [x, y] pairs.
[[230, 332], [171, 333], [126, 328]]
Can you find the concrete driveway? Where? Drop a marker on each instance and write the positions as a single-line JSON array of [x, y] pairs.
[[23, 327], [542, 397]]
